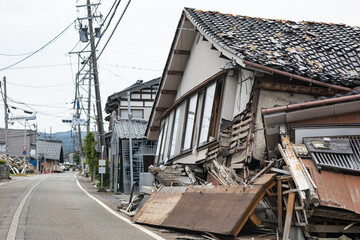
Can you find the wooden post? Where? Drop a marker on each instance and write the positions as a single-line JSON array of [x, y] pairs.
[[289, 211], [279, 202]]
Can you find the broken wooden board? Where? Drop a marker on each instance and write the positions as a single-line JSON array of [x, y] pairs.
[[216, 209], [157, 208]]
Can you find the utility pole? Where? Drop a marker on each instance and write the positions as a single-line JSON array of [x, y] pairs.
[[130, 139], [99, 118], [6, 122], [89, 105], [79, 134]]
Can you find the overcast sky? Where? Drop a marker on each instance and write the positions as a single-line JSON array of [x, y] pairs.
[[44, 83]]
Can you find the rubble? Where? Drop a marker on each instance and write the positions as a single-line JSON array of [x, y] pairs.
[[17, 165]]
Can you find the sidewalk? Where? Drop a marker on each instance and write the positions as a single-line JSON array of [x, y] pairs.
[[109, 198], [113, 200]]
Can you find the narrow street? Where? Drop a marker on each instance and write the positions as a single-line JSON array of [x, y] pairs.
[[53, 206]]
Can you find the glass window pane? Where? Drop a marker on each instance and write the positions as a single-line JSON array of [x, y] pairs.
[[137, 113], [124, 113], [137, 103], [146, 95], [164, 139], [148, 104], [159, 144], [174, 133], [190, 122], [205, 123], [135, 96]]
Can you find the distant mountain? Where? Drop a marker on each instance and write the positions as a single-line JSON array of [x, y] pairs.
[[69, 139]]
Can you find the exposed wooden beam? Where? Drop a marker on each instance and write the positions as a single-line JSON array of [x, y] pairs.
[[154, 128], [319, 91], [169, 92], [161, 109], [279, 201], [176, 73], [333, 229], [289, 212], [182, 52]]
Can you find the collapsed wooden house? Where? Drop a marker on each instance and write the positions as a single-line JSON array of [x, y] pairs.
[[216, 120]]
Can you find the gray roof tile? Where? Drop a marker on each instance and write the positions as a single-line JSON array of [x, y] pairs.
[[138, 127], [325, 52]]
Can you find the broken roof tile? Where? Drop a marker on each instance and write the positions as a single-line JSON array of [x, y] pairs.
[[322, 45]]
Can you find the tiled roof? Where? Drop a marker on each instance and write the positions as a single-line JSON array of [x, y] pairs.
[[138, 127], [325, 52]]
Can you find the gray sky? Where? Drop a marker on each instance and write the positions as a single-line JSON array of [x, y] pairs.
[[138, 50]]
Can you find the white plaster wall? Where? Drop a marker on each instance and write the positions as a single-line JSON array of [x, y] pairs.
[[268, 99], [202, 64], [228, 104], [245, 82]]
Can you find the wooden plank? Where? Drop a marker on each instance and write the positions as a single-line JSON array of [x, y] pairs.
[[333, 229], [182, 52], [293, 164], [288, 217], [242, 129], [241, 123], [169, 92], [175, 73], [255, 220], [239, 137]]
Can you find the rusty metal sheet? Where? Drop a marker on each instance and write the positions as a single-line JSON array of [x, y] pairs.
[[217, 209], [336, 190]]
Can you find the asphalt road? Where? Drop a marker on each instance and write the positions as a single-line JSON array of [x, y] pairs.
[[52, 206]]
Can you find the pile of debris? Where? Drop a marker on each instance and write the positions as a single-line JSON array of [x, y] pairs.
[[277, 197], [17, 165]]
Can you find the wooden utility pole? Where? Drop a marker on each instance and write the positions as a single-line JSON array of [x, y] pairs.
[[6, 123], [99, 118]]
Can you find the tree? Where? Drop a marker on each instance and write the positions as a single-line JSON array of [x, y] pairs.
[[76, 158], [91, 155]]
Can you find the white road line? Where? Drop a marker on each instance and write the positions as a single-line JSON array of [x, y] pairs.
[[154, 235], [15, 221]]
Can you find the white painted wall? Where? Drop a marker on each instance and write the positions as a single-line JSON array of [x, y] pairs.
[[268, 99], [202, 64]]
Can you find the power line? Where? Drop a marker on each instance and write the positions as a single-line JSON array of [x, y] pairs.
[[112, 33], [42, 66], [132, 67], [44, 86], [47, 44]]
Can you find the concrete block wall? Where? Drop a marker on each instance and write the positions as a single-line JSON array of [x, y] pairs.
[[4, 171]]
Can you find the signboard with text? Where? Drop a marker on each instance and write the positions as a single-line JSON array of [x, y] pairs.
[[102, 170]]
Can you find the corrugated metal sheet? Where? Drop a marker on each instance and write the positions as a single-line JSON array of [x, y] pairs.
[[339, 161], [217, 209], [336, 190], [138, 127]]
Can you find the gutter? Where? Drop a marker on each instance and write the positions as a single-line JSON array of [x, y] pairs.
[[304, 79], [312, 104]]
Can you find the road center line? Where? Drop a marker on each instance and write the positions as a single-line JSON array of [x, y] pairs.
[[15, 221], [152, 234]]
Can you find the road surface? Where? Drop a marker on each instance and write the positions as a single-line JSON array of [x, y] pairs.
[[55, 206]]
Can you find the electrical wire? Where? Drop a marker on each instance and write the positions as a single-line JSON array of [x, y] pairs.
[[132, 67], [44, 86], [47, 44], [112, 33], [117, 2]]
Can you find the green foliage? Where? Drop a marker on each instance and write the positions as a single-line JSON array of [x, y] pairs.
[[76, 157], [91, 155], [2, 161]]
